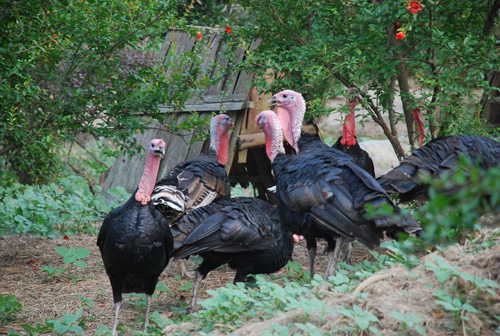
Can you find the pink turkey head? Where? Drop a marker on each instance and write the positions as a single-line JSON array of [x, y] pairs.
[[156, 151], [291, 107], [219, 136], [268, 121], [157, 147]]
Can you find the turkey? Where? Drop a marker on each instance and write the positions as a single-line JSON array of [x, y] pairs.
[[347, 142], [199, 181], [321, 192], [244, 232], [135, 239], [437, 157]]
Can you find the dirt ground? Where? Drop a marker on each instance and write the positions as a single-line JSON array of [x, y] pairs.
[[21, 258], [395, 289]]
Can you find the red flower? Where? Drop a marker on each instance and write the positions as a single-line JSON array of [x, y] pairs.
[[228, 30], [414, 6], [397, 25], [199, 36], [66, 237], [400, 35]]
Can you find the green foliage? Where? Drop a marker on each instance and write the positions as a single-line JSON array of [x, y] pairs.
[[362, 318], [233, 305], [72, 257], [448, 216], [38, 329], [455, 301], [8, 308], [64, 207], [409, 321], [89, 66], [71, 324], [321, 48]]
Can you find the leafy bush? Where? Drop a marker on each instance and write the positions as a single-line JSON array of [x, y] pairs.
[[447, 217], [322, 48], [89, 66], [65, 207]]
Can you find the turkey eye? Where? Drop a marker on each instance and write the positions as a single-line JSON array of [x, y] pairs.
[[284, 96]]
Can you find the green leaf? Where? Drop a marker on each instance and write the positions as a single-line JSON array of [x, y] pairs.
[[81, 264], [63, 251], [471, 309], [158, 320], [419, 329], [442, 275], [82, 253]]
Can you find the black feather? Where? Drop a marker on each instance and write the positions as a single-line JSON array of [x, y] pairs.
[[437, 157], [135, 243], [322, 193], [243, 232], [361, 157]]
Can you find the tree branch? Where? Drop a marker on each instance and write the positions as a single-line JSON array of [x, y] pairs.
[[79, 143], [7, 149]]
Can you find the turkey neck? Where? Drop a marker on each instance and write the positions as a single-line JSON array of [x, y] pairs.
[[220, 144], [148, 179], [349, 129]]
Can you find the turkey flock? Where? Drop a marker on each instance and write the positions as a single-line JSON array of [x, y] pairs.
[[322, 192]]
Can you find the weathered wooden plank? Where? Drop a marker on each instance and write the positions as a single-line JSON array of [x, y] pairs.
[[126, 171], [251, 140], [242, 155], [179, 43], [223, 98], [210, 54], [207, 99], [177, 148], [226, 106], [233, 76], [222, 63], [261, 103], [243, 83], [258, 139], [197, 147], [165, 47]]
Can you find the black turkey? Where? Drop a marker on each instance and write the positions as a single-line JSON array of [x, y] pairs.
[[135, 239], [321, 192], [347, 142], [244, 232], [199, 181], [437, 157]]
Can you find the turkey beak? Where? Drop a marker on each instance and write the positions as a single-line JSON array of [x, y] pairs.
[[274, 102], [160, 151]]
